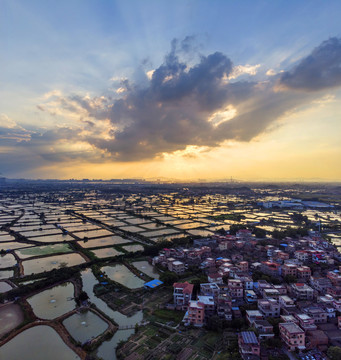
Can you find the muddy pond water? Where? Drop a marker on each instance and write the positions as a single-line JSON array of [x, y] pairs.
[[36, 266], [146, 268], [123, 275], [11, 316], [37, 343], [54, 302], [85, 326]]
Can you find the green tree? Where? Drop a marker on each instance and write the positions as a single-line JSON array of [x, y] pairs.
[[169, 278], [259, 233], [334, 353]]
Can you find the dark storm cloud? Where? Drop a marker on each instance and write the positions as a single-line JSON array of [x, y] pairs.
[[320, 70]]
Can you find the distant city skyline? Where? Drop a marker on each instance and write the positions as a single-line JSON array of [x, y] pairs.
[[183, 90]]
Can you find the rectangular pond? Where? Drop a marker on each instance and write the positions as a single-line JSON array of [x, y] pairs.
[[52, 238], [106, 252], [39, 341], [123, 275], [85, 326], [7, 260], [133, 248], [13, 245], [4, 287], [11, 316], [105, 241], [92, 233], [43, 250], [5, 274], [157, 233], [54, 302], [133, 229], [146, 268], [39, 265]]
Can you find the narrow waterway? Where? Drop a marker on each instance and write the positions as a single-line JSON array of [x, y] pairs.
[[107, 349]]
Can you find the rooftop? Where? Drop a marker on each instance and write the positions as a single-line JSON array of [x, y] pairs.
[[249, 337], [292, 328]]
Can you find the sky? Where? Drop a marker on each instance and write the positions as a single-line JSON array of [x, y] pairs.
[[180, 90]]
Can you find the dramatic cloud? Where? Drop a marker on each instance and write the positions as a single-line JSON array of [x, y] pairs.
[[181, 105], [10, 131], [320, 70]]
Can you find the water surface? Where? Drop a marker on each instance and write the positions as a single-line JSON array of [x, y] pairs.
[[123, 275], [11, 316], [37, 343], [146, 268], [85, 326], [54, 302], [35, 266]]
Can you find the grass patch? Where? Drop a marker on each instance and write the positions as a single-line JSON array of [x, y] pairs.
[[169, 315]]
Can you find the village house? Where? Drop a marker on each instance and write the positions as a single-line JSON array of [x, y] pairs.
[[303, 273], [320, 283], [289, 318], [292, 335], [306, 322], [182, 294], [269, 307], [210, 289], [244, 234], [334, 291], [248, 345], [289, 270], [271, 293], [247, 282], [195, 314], [319, 315], [285, 302], [215, 278], [302, 291], [303, 255], [264, 329], [250, 296], [224, 307], [176, 266], [208, 303], [243, 266], [235, 288], [334, 277], [270, 268], [252, 315], [282, 289]]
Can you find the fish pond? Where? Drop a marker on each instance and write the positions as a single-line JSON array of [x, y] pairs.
[[11, 316], [43, 250], [123, 275], [37, 343], [85, 326], [106, 252], [52, 303], [7, 261], [146, 268], [36, 266]]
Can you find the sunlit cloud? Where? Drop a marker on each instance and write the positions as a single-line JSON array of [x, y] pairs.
[[219, 117], [181, 110], [242, 70]]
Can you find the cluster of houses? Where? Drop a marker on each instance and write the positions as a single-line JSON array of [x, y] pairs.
[[302, 306]]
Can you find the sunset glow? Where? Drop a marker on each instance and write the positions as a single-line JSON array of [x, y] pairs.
[[180, 90]]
